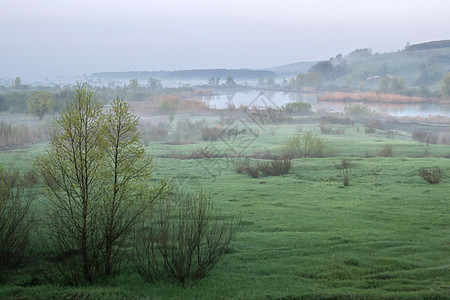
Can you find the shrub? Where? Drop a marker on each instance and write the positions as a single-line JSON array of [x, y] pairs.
[[251, 171], [306, 144], [240, 165], [386, 151], [275, 167], [358, 110], [184, 242], [15, 220], [345, 172], [431, 175], [297, 108], [246, 167]]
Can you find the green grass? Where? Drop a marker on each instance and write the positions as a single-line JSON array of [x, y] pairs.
[[303, 235]]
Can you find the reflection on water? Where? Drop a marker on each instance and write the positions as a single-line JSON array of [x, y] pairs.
[[279, 99]]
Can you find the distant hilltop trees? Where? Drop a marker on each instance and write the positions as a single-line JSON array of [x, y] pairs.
[[191, 74], [429, 45]]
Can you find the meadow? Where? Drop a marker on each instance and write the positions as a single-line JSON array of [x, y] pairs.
[[302, 235]]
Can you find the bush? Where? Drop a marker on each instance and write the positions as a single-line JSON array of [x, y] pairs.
[[306, 144], [275, 167], [245, 167], [345, 172], [15, 220], [297, 108], [185, 242], [431, 175], [387, 151]]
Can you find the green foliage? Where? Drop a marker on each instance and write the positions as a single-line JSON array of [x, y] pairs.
[[445, 86], [297, 108], [395, 85], [310, 79], [16, 102], [97, 174], [431, 175], [305, 144], [358, 110], [230, 81], [41, 103], [167, 107], [185, 242]]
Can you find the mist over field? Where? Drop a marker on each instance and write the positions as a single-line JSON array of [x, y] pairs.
[[224, 150]]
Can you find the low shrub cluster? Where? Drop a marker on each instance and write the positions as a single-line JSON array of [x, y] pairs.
[[183, 241], [305, 144], [431, 175], [276, 167], [386, 151]]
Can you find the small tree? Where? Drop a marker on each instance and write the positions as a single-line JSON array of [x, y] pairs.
[[72, 172], [185, 242], [97, 175], [230, 81], [126, 175], [41, 103], [426, 139], [445, 86]]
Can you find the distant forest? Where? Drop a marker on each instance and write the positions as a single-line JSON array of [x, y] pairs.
[[429, 45], [189, 74]]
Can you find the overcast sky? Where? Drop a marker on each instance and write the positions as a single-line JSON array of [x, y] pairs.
[[47, 38]]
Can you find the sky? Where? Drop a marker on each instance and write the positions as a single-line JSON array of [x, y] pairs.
[[50, 38]]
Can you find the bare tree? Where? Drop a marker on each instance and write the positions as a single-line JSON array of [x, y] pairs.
[[15, 220], [184, 242]]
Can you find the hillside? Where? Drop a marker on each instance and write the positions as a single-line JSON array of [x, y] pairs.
[[292, 70], [419, 64]]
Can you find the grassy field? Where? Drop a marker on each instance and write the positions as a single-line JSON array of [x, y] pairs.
[[302, 235]]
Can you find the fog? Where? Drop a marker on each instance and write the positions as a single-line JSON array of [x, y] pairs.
[[46, 38]]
